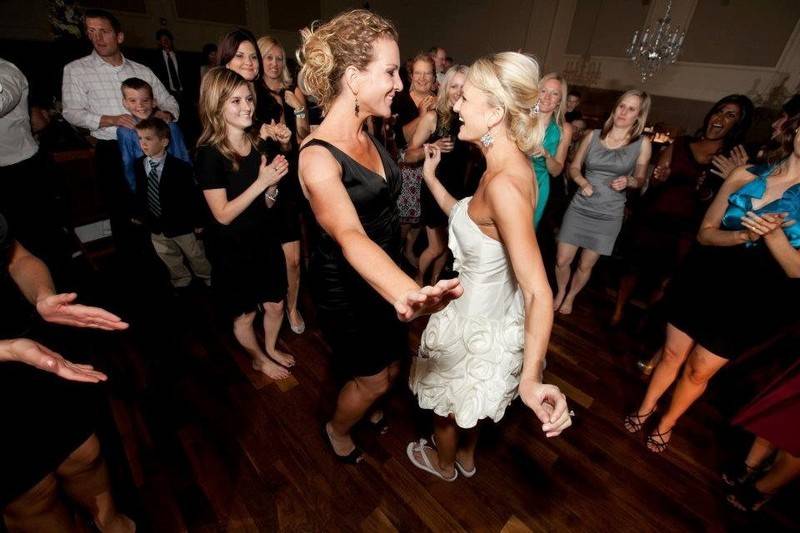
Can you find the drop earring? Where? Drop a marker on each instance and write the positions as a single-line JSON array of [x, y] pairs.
[[535, 109], [488, 139], [357, 109]]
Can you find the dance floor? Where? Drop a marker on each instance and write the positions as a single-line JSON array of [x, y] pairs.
[[198, 441]]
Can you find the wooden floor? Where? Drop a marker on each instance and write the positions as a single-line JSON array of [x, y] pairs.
[[200, 442]]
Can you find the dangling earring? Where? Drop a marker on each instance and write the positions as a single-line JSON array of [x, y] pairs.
[[535, 109], [357, 109], [488, 139]]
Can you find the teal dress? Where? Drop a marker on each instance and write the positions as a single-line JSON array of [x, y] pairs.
[[552, 136], [731, 299]]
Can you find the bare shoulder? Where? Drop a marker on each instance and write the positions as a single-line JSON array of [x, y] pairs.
[[316, 162], [740, 176], [509, 185]]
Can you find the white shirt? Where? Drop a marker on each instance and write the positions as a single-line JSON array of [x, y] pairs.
[[170, 56], [159, 165], [92, 88], [16, 140]]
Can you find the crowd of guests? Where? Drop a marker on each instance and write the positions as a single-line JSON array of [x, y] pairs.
[[244, 171]]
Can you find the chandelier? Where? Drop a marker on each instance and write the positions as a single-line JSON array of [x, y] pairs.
[[653, 51]]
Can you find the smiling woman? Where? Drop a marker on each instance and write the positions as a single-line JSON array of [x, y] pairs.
[[350, 65]]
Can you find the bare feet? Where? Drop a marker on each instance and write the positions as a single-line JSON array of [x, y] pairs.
[[271, 369], [282, 358], [557, 300], [616, 319], [565, 308], [342, 445]]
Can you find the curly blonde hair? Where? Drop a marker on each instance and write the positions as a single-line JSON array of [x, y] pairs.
[[511, 80], [328, 49], [218, 85]]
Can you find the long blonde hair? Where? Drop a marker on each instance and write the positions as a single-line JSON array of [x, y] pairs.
[[559, 111], [328, 49], [638, 127], [218, 85], [444, 110], [511, 80], [264, 44]]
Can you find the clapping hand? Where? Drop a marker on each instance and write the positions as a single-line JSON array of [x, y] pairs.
[[291, 99], [271, 173], [61, 309], [445, 144], [764, 225], [426, 104], [549, 404], [427, 300], [724, 166], [40, 356]]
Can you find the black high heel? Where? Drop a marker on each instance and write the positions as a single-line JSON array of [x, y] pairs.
[[352, 458]]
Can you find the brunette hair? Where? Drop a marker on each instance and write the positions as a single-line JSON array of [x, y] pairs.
[[782, 145], [230, 44], [738, 130], [158, 126], [328, 49], [218, 85], [105, 15], [136, 84]]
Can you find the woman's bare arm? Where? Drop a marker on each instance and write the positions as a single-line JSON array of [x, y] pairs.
[[710, 232]]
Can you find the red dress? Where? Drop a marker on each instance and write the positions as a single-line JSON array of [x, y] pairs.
[[775, 414]]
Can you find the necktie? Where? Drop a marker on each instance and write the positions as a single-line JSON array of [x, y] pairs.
[[153, 199], [174, 80]]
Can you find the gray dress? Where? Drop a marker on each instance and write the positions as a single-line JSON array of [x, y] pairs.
[[594, 222]]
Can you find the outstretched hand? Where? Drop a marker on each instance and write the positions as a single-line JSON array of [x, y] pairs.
[[40, 356], [549, 404], [428, 299], [61, 309]]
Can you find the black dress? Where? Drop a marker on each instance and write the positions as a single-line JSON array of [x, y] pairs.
[[290, 199], [44, 418], [452, 171], [360, 325], [248, 266]]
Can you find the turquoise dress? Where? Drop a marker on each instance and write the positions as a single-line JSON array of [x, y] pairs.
[[731, 299], [552, 136]]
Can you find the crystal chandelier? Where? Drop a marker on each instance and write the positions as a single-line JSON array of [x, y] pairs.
[[653, 51]]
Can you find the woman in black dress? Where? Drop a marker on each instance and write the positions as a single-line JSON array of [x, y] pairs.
[[279, 102], [440, 127], [48, 449], [350, 65], [737, 290], [248, 267]]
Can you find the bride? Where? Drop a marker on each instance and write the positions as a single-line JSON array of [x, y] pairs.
[[487, 347]]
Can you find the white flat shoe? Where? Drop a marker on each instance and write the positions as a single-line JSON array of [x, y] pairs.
[[466, 473], [419, 447]]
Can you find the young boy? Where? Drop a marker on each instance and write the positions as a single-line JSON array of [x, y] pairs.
[[137, 99], [168, 203]]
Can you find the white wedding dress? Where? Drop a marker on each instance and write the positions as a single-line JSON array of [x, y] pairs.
[[471, 353]]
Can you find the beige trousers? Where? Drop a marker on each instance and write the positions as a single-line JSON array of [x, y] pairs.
[[172, 251]]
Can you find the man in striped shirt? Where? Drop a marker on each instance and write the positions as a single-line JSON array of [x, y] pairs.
[[91, 97]]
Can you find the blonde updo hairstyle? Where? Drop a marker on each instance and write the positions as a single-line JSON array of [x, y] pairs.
[[218, 85], [268, 42], [511, 80], [328, 49]]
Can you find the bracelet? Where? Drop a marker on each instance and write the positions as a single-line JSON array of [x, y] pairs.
[[402, 158], [270, 197], [300, 112]]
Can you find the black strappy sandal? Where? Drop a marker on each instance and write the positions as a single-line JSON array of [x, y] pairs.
[[352, 458], [657, 446], [748, 498], [634, 421]]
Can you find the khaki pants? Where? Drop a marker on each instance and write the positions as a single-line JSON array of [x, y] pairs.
[[172, 250]]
